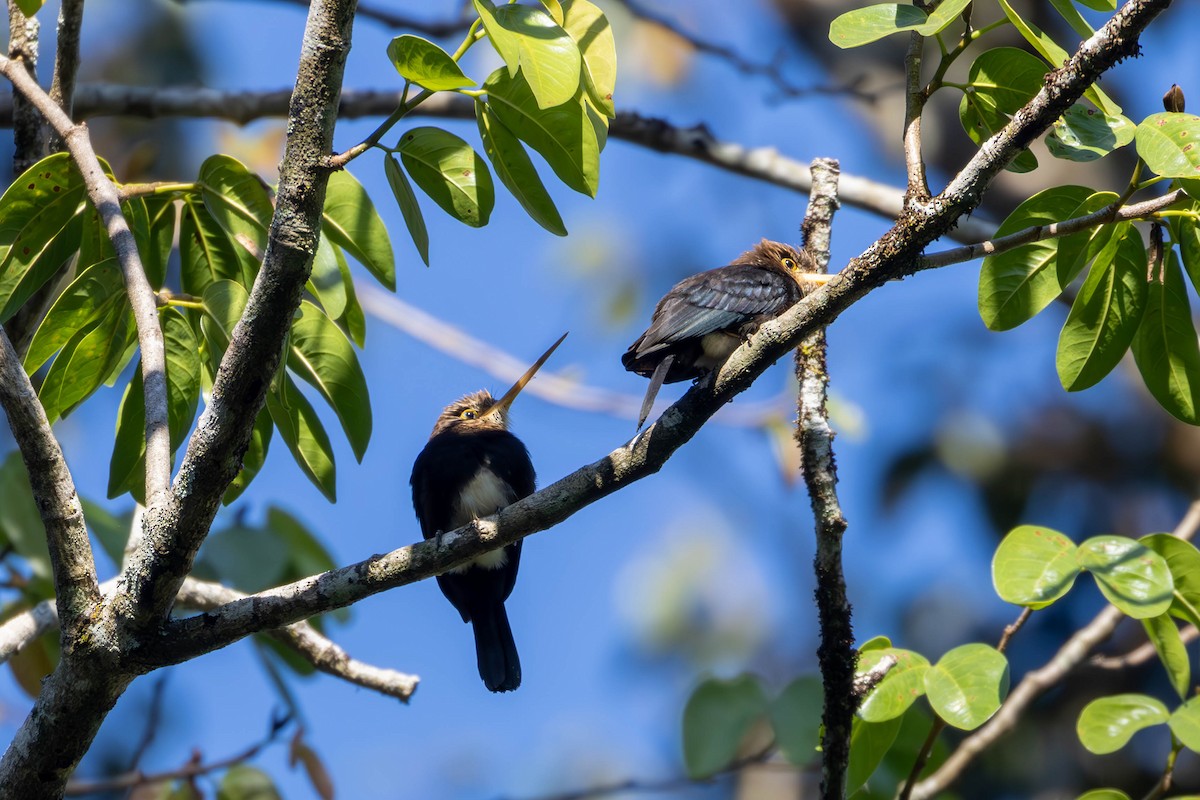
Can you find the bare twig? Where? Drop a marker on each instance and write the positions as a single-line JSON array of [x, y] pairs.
[[815, 438], [1074, 651], [1140, 655], [71, 558], [864, 682], [1011, 630], [914, 104], [194, 768], [66, 63], [103, 194], [760, 163]]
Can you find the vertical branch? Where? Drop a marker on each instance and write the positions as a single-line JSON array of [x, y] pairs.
[[107, 201], [71, 560], [914, 104], [66, 61], [815, 437], [29, 147]]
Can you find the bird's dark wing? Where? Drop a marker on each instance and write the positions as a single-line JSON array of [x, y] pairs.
[[717, 300], [440, 472], [510, 461]]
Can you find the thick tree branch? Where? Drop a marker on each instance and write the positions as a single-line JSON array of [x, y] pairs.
[[104, 196], [174, 531], [815, 439], [74, 569], [697, 142], [1069, 656], [894, 255], [29, 143]]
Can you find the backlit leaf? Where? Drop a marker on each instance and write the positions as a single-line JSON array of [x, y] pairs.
[[414, 220], [527, 38], [1034, 566], [865, 25], [1133, 577], [424, 63], [516, 170], [1107, 724], [304, 435], [450, 172], [1169, 143], [351, 221], [1165, 347]]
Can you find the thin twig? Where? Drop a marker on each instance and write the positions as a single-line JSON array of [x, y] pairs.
[[1011, 630], [193, 769], [914, 104], [1140, 655], [104, 197], [815, 438], [66, 62]]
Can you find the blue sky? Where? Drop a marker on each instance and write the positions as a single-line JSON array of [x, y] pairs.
[[596, 703]]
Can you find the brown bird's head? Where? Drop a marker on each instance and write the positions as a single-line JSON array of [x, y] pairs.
[[479, 411], [768, 254]]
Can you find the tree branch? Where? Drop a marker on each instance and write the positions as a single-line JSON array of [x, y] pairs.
[[175, 530], [697, 142], [29, 144], [893, 256], [66, 63], [103, 195], [914, 104], [71, 557], [815, 438], [1034, 683]]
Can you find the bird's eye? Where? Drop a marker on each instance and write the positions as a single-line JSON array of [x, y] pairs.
[[468, 414], [788, 263]]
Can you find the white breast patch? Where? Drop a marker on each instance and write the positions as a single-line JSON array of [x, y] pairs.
[[484, 495]]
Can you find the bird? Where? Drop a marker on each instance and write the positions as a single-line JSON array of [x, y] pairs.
[[470, 468], [703, 318]]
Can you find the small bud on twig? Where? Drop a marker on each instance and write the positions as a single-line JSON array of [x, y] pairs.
[[1173, 99]]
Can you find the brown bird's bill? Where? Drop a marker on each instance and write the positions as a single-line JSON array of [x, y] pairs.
[[504, 402], [817, 277]]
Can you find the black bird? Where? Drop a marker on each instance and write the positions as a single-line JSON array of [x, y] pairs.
[[471, 468], [703, 319]]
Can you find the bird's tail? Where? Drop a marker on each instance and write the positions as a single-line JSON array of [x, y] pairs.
[[656, 382], [495, 649]]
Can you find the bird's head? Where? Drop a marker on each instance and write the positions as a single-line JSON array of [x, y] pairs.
[[777, 255], [480, 411]]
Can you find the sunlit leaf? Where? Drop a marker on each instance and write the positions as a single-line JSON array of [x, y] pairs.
[[1165, 347], [450, 172], [206, 253], [1169, 143], [1106, 725], [588, 26], [423, 62], [527, 38], [1084, 134], [1001, 81], [1185, 724], [325, 283], [304, 435], [865, 25], [414, 220], [237, 199], [899, 689], [1184, 562], [1034, 566], [967, 685], [351, 221], [516, 170], [1168, 643], [1133, 577], [243, 782]]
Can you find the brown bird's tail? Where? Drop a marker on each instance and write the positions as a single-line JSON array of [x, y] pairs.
[[495, 649], [656, 382]]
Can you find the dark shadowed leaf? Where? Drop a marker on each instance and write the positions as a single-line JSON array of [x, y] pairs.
[[414, 220], [869, 743], [304, 435], [716, 718], [796, 718], [1002, 80], [206, 253], [1165, 346], [256, 455]]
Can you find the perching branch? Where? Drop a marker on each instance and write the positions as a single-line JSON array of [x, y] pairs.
[[103, 194], [1141, 654], [1069, 656], [894, 255], [71, 558], [815, 438], [697, 142]]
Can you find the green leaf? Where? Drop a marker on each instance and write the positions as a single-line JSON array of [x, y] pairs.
[[796, 718], [304, 435], [110, 530], [1133, 577], [35, 236], [1034, 566], [1055, 56], [1084, 134], [1002, 80], [943, 16], [528, 38], [423, 62], [243, 782], [325, 283], [716, 718], [20, 522], [351, 221], [869, 743], [516, 170], [1100, 5], [30, 7], [206, 253], [1164, 634], [236, 198], [1184, 562], [1106, 312], [414, 220], [1066, 9], [967, 685], [1186, 233], [569, 136], [450, 172], [1015, 285], [321, 354], [1106, 725], [353, 322], [1165, 346], [587, 25], [1185, 724], [127, 467], [224, 302], [1169, 143], [256, 455], [899, 689], [865, 25], [1103, 794], [155, 242], [92, 295], [248, 559]]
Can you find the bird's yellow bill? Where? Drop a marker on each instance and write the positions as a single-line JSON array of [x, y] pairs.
[[817, 277], [504, 402]]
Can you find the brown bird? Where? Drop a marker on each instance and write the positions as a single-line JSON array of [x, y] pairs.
[[703, 319], [471, 468]]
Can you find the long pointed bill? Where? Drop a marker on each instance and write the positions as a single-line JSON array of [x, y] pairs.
[[817, 277], [504, 402]]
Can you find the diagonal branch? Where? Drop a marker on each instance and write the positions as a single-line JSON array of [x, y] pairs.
[[104, 196], [696, 141], [71, 557], [894, 255]]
